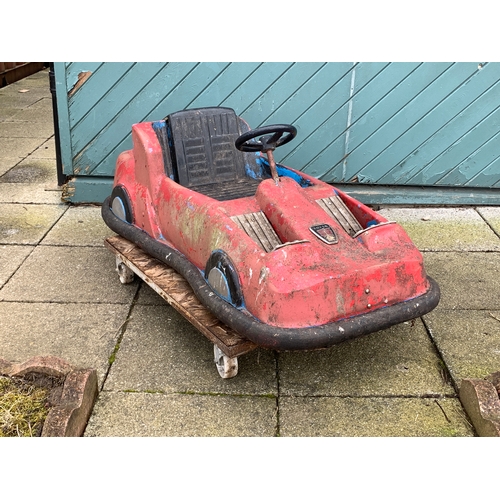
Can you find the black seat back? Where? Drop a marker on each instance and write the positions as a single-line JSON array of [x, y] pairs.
[[204, 146]]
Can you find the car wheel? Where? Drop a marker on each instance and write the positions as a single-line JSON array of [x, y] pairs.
[[120, 204], [223, 278]]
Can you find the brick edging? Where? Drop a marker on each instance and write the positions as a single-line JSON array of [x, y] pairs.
[[69, 416], [481, 401]]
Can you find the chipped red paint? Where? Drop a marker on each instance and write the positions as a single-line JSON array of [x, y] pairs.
[[305, 284]]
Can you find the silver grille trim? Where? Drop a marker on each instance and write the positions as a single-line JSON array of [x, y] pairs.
[[337, 209], [258, 227]]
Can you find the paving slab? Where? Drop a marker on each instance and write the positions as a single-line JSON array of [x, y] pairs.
[[161, 351], [46, 150], [68, 274], [7, 113], [27, 224], [11, 257], [7, 163], [12, 97], [399, 361], [49, 194], [369, 417], [32, 170], [83, 335], [467, 280], [445, 229], [14, 147], [79, 226], [40, 111], [492, 217], [469, 341], [125, 414], [16, 129]]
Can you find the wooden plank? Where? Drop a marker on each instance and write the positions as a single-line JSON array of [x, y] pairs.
[[370, 136], [451, 145], [412, 155], [325, 142], [114, 117], [383, 149], [182, 87], [321, 123], [318, 86], [95, 90], [469, 163], [179, 84], [414, 123], [19, 71], [489, 176], [256, 83], [425, 196], [370, 85], [366, 96], [75, 70], [66, 150], [258, 113], [176, 291], [87, 189], [220, 88]]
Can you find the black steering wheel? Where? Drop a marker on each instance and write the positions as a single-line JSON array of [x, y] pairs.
[[272, 138]]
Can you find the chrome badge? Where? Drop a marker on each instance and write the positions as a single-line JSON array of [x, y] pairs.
[[325, 233]]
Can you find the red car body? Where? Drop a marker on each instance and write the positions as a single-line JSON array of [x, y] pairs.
[[320, 257]]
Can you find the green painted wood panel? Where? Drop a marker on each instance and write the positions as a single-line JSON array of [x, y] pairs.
[[403, 125], [444, 123]]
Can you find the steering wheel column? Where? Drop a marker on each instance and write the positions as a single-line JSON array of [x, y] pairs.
[[272, 139]]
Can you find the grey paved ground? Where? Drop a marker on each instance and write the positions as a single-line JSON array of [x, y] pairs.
[[59, 295]]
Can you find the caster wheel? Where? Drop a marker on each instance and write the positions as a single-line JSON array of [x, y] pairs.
[[124, 273], [226, 366]]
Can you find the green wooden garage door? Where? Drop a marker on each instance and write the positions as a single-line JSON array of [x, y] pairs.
[[381, 130]]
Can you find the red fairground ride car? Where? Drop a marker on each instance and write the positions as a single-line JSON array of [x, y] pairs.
[[287, 261]]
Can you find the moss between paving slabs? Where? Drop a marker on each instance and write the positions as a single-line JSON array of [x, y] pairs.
[[445, 229], [455, 235], [23, 408]]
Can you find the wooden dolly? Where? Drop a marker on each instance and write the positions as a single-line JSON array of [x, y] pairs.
[[172, 287]]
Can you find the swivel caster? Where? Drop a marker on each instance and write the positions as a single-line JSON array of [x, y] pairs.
[[125, 274], [226, 366]]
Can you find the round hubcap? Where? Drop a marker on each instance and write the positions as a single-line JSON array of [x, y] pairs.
[[118, 208], [219, 283]]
